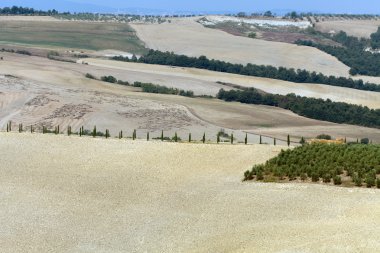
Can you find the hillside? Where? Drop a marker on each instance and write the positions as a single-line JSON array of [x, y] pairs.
[[62, 194], [55, 93], [186, 36]]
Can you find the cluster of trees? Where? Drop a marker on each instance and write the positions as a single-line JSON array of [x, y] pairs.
[[25, 52], [329, 162], [241, 14], [353, 52], [292, 75], [146, 87], [154, 88], [15, 10], [319, 109], [375, 39]]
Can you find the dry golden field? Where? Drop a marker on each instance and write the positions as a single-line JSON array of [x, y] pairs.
[[71, 194], [357, 28], [186, 36]]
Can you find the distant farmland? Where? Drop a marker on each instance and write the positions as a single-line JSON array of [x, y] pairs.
[[78, 35]]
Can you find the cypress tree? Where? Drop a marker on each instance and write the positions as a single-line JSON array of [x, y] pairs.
[[246, 139], [204, 138], [94, 132], [10, 126], [261, 140], [288, 140], [232, 138], [345, 140], [302, 141], [134, 134], [107, 134], [31, 129], [218, 138], [7, 128], [147, 136], [58, 129], [175, 137], [189, 137], [162, 135], [274, 141], [80, 132]]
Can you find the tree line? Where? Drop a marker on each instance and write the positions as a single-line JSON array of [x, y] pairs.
[[146, 87], [319, 109], [16, 10], [353, 52], [281, 73], [327, 162]]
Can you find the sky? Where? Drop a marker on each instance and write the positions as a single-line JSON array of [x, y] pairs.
[[196, 6]]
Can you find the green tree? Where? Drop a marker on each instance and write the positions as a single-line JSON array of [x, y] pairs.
[[364, 141], [274, 141], [204, 138], [189, 137], [371, 179], [162, 135], [261, 140], [288, 140], [337, 180], [218, 138], [268, 14], [246, 139], [94, 132], [252, 35], [175, 137], [232, 138], [147, 136]]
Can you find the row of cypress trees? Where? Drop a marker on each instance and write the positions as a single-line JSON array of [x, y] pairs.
[[94, 133]]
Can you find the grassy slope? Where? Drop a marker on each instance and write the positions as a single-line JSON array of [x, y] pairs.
[[80, 35]]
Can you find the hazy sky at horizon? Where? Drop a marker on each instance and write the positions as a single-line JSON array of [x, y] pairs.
[[336, 6]]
